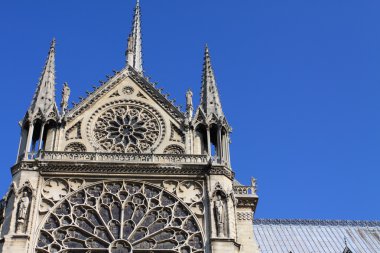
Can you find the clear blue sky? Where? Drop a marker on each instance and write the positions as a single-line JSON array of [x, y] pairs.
[[299, 81]]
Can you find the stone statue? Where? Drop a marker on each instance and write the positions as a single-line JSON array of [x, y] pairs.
[[219, 215], [253, 185], [65, 97], [22, 211], [189, 103]]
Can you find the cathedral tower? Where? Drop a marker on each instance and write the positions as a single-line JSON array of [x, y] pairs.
[[125, 170], [39, 124]]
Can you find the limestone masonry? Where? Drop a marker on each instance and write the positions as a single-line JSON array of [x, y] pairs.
[[125, 170]]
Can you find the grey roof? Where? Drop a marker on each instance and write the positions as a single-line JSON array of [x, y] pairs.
[[317, 236]]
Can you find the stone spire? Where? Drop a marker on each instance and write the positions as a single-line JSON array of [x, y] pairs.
[[44, 98], [210, 100], [134, 51]]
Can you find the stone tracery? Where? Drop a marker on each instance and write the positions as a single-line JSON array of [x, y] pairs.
[[127, 129], [121, 216]]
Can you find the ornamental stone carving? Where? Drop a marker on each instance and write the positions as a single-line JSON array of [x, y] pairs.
[[220, 210], [245, 216], [75, 183], [189, 191], [219, 215], [128, 90], [55, 189], [74, 132], [75, 147], [120, 216], [174, 149], [130, 127], [23, 212], [176, 134]]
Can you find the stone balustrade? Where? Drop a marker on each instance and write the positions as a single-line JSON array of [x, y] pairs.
[[244, 190], [118, 157]]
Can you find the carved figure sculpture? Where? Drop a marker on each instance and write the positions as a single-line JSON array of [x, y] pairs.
[[65, 97], [219, 215], [22, 211], [189, 103]]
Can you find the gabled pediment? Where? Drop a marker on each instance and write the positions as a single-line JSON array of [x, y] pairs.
[[199, 117], [126, 114], [119, 77]]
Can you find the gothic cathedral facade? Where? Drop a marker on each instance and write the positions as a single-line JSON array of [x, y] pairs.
[[125, 170]]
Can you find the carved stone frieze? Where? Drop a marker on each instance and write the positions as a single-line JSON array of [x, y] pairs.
[[120, 169], [220, 170]]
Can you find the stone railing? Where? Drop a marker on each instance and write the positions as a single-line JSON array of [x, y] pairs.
[[244, 190], [246, 196], [119, 157]]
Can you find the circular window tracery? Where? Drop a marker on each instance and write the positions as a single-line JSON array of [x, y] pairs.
[[127, 128], [120, 216]]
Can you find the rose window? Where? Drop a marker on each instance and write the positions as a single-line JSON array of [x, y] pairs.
[[127, 129], [120, 217]]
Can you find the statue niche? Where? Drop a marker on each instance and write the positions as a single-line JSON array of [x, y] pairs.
[[23, 208], [220, 212]]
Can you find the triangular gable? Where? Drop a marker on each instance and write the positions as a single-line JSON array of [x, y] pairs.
[[213, 119], [113, 81], [156, 95], [347, 250], [199, 117]]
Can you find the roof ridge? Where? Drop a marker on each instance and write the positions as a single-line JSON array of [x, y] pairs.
[[318, 222], [114, 80]]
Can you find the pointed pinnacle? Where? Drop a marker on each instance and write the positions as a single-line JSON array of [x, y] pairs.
[[210, 100], [44, 96], [134, 50], [52, 44]]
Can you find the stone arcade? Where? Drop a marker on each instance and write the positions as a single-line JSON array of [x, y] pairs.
[[125, 170]]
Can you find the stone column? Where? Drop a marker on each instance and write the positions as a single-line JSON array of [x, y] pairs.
[[208, 141], [219, 141], [41, 136], [29, 141]]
